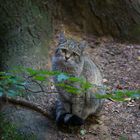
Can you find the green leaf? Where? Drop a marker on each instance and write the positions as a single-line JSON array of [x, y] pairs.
[[2, 73], [31, 71], [136, 96], [19, 87], [72, 91], [49, 73], [75, 79], [69, 88], [86, 86], [40, 78], [12, 93], [105, 96], [61, 77], [1, 93], [120, 95], [83, 132], [123, 137]]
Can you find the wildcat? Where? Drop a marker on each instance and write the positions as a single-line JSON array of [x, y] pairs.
[[69, 57]]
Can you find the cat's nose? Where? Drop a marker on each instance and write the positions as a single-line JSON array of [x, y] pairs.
[[66, 58]]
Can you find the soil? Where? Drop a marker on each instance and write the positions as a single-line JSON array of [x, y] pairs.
[[120, 65]]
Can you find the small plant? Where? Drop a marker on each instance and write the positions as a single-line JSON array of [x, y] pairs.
[[8, 131], [123, 137], [11, 85]]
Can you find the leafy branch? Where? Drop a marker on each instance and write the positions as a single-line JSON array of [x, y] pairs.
[[18, 83]]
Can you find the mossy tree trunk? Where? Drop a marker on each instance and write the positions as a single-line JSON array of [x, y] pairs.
[[25, 30]]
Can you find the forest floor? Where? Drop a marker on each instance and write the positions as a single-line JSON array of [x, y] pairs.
[[120, 65]]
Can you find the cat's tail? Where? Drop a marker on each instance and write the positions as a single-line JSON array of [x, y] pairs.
[[69, 119], [63, 117]]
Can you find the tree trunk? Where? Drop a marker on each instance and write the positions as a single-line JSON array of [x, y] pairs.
[[25, 30]]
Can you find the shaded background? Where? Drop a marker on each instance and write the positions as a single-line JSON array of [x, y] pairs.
[[27, 28]]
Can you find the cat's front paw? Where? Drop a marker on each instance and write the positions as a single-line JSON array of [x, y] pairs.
[[73, 120], [69, 119]]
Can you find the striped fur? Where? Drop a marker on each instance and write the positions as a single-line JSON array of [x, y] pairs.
[[69, 57]]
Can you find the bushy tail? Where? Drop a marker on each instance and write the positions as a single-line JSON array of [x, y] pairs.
[[63, 117]]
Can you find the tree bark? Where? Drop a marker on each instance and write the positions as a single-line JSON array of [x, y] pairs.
[[25, 31]]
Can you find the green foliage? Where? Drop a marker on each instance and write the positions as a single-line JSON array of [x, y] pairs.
[[123, 137], [9, 131], [62, 77], [82, 132], [121, 95], [74, 85], [10, 84], [13, 84], [69, 88]]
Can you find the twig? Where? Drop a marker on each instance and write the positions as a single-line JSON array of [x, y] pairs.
[[42, 90], [38, 84]]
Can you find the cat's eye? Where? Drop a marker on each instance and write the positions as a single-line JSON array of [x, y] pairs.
[[75, 54], [64, 50]]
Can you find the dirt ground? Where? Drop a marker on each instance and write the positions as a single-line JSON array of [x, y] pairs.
[[120, 65]]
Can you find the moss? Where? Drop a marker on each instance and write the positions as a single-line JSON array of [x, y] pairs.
[[26, 30], [134, 33], [9, 131]]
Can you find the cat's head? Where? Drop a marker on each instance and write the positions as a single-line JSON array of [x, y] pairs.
[[69, 49]]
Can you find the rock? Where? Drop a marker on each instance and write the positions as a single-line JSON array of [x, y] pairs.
[[135, 136], [105, 80]]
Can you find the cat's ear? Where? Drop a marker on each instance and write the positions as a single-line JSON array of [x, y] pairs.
[[83, 45], [62, 38]]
